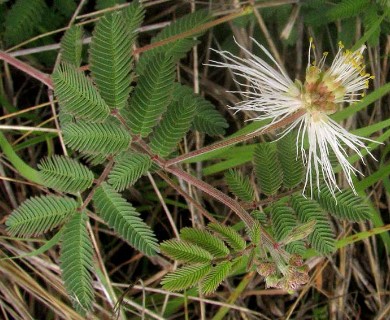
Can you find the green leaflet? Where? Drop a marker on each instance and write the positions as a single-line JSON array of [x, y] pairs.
[[291, 163], [40, 214], [151, 95], [128, 168], [174, 125], [267, 168], [239, 185], [124, 219], [77, 263], [207, 119], [72, 46], [178, 48], [215, 277], [345, 206], [110, 59], [134, 15], [284, 222], [205, 240], [228, 234], [322, 238], [185, 277], [77, 95], [65, 174], [185, 252], [347, 8], [96, 138], [22, 20]]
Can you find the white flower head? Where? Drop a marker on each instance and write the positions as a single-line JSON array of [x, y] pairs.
[[270, 92]]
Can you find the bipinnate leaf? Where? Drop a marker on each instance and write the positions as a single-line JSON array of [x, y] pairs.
[[77, 95], [110, 59], [239, 185], [228, 234], [65, 174], [205, 240], [178, 48], [77, 263], [172, 128], [40, 214], [128, 168], [72, 46], [207, 119], [151, 96], [185, 277], [96, 138], [291, 163], [267, 168], [185, 251], [124, 219], [346, 205], [214, 278], [322, 238]]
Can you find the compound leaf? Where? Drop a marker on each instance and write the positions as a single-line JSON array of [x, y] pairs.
[[267, 168], [77, 95], [96, 138], [239, 185], [65, 174], [185, 277], [228, 234], [128, 168], [72, 46], [40, 214], [215, 277], [77, 262], [185, 251], [205, 240], [124, 219], [174, 125]]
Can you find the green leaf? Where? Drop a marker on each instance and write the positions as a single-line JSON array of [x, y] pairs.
[[22, 20], [124, 219], [97, 138], [205, 240], [151, 96], [40, 214], [77, 263], [128, 168], [345, 206], [110, 59], [65, 174], [172, 128], [134, 15], [254, 232], [178, 48], [371, 16], [283, 221], [239, 185], [185, 277], [290, 162], [77, 95], [228, 234], [322, 238], [215, 277], [185, 251], [72, 46], [347, 8], [267, 168], [207, 119]]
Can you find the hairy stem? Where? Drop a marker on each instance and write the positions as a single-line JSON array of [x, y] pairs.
[[235, 140]]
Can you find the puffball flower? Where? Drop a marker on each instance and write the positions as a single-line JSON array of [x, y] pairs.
[[271, 93]]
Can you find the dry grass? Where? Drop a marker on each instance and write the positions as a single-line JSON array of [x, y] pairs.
[[353, 283]]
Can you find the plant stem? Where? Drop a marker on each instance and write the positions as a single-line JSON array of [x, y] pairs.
[[235, 140], [20, 65]]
